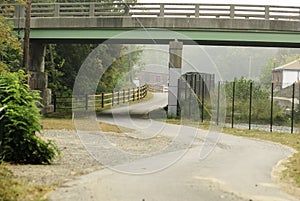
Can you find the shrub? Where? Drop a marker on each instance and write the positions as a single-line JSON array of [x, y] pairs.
[[20, 143]]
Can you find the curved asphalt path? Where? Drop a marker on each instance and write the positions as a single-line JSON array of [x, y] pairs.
[[237, 169]]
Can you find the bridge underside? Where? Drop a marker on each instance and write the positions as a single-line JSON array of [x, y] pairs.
[[158, 36]]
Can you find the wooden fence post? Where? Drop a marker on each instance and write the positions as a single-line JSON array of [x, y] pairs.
[[102, 100], [128, 95], [86, 102], [133, 94], [54, 102], [123, 95]]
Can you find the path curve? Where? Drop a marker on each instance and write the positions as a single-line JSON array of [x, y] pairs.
[[238, 169]]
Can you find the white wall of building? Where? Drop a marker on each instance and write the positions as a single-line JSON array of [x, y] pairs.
[[289, 77]]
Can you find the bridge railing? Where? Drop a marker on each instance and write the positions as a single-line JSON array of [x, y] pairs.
[[185, 10]]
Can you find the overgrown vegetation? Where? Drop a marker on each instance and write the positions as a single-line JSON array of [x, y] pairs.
[[261, 103], [20, 143]]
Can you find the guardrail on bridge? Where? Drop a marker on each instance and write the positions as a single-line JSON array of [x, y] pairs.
[[187, 10]]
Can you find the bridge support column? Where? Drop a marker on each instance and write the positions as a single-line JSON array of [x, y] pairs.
[[39, 79], [175, 63]]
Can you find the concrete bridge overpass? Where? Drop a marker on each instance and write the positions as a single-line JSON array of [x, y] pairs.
[[208, 24]]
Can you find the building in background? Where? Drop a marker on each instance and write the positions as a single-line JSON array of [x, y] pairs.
[[154, 75], [286, 75]]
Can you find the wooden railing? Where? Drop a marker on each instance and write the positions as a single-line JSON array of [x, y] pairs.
[[99, 101], [190, 10]]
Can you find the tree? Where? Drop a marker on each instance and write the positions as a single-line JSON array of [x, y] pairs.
[[10, 46], [261, 106]]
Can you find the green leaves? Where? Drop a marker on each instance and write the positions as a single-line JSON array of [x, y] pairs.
[[20, 142]]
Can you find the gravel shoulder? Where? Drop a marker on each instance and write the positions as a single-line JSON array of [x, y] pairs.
[[74, 161]]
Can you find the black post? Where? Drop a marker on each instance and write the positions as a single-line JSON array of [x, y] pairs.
[[118, 97], [128, 95], [112, 98], [218, 103], [102, 100], [133, 93], [123, 95], [86, 102], [233, 101], [293, 108], [54, 102], [203, 96], [250, 105], [272, 101]]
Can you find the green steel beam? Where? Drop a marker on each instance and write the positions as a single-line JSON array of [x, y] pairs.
[[218, 37]]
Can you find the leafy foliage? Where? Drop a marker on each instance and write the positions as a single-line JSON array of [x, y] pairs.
[[20, 143], [10, 47], [65, 60], [261, 105]]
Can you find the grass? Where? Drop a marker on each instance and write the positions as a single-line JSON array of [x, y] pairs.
[[292, 173], [13, 190], [68, 124]]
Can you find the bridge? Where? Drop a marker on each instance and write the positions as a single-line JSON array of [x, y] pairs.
[[208, 24], [205, 24]]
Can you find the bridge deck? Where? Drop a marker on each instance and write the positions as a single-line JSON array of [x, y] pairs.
[[215, 24]]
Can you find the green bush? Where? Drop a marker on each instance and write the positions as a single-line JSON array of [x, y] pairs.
[[20, 143], [261, 105]]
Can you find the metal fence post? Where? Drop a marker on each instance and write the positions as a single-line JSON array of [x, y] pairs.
[[272, 101], [218, 103], [233, 101], [293, 108], [250, 105], [203, 96]]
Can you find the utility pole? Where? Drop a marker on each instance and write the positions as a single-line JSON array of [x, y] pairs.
[[26, 56]]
